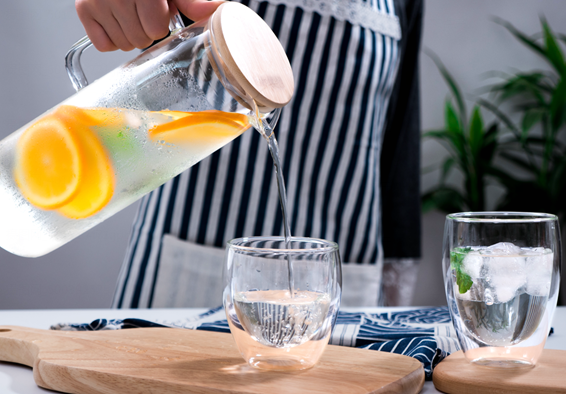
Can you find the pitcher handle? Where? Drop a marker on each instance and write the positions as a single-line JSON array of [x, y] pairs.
[[73, 57]]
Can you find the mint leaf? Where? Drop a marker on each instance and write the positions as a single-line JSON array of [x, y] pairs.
[[457, 256], [463, 280]]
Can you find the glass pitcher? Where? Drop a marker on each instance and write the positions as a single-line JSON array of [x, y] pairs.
[[138, 126]]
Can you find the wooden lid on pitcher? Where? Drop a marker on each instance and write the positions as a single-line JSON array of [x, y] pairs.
[[250, 55]]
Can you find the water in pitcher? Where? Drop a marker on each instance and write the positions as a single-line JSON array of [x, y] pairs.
[[74, 167]]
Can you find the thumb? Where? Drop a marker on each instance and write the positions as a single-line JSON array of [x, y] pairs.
[[196, 10]]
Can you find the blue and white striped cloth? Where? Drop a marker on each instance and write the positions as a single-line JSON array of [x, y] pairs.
[[425, 334]]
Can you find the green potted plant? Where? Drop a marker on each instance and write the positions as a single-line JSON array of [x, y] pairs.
[[536, 145], [472, 147], [526, 157]]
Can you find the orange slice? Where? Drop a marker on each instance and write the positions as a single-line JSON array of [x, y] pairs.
[[49, 163], [122, 119], [98, 116], [201, 128], [97, 184], [175, 115]]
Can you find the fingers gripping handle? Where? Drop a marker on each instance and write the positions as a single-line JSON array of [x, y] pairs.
[[73, 57]]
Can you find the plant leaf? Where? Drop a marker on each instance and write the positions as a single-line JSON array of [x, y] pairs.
[[446, 167], [451, 84], [553, 52], [476, 131], [457, 256], [451, 118], [491, 133], [445, 199], [540, 142], [532, 198], [455, 133], [532, 44], [502, 177], [446, 138], [519, 161], [436, 134], [558, 179], [528, 86], [530, 118], [490, 144], [530, 106], [493, 109], [558, 105]]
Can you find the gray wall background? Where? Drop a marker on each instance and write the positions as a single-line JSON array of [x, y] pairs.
[[35, 35]]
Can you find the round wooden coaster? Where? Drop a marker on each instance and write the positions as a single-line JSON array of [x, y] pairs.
[[455, 375]]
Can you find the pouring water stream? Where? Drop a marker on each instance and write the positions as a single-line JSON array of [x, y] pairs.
[[267, 133]]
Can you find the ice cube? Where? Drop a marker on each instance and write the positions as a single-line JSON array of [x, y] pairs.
[[467, 296], [533, 251], [472, 264], [475, 293], [505, 275], [539, 268], [502, 248], [505, 294]]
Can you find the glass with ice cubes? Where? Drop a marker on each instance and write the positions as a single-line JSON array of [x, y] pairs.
[[501, 276]]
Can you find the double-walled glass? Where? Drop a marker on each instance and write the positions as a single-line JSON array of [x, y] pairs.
[[272, 329], [501, 275]]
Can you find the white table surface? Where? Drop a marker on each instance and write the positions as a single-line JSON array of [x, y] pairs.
[[18, 379]]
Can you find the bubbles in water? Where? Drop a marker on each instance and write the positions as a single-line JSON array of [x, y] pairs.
[[488, 298], [276, 320]]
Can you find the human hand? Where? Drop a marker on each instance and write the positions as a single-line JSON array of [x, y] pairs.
[[129, 24]]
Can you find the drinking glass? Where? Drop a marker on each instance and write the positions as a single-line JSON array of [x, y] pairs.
[[274, 327], [501, 275]]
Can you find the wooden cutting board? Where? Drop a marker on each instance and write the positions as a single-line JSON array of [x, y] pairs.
[[455, 375], [171, 360]]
